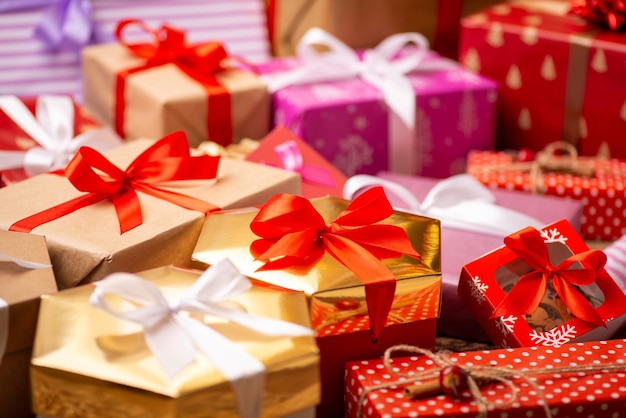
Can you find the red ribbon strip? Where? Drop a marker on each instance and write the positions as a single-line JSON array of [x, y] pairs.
[[294, 234], [200, 62], [525, 296], [608, 13], [448, 28], [166, 160]]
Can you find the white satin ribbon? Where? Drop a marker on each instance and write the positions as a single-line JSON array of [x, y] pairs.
[[53, 130], [378, 67], [4, 306], [459, 201], [164, 323]]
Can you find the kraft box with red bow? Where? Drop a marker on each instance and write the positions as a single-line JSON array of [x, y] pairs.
[[41, 39], [544, 287], [372, 275], [282, 148], [560, 75], [600, 184], [140, 206], [397, 107], [241, 350], [575, 380], [147, 89]]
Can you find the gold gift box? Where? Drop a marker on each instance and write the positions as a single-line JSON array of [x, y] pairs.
[[163, 99], [227, 234], [86, 245], [73, 377], [21, 288]]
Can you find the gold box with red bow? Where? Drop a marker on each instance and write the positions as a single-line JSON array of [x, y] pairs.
[[332, 249], [543, 288], [105, 365], [560, 76], [25, 275], [148, 90], [147, 213]]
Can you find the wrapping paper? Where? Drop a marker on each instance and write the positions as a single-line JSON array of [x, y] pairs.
[[595, 393], [487, 281], [30, 67], [167, 235], [74, 369], [560, 76]]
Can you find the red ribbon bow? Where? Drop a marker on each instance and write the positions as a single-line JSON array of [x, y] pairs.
[[166, 160], [610, 13], [294, 234], [200, 62], [525, 296]]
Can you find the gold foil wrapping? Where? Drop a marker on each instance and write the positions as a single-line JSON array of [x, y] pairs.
[[86, 363]]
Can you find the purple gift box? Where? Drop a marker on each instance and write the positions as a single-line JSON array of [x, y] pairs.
[[459, 247], [348, 122]]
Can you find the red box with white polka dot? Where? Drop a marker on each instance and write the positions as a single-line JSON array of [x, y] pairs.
[[603, 192], [544, 287], [575, 380]]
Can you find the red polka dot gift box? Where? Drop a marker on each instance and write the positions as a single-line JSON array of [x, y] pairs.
[[372, 275], [600, 184], [543, 287], [574, 380]]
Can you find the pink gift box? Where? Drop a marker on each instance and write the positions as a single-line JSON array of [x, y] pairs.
[[348, 123], [459, 247]]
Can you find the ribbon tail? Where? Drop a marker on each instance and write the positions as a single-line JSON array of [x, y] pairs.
[[179, 199], [578, 305], [12, 160], [524, 297]]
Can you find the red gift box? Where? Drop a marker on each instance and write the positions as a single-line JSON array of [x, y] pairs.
[[283, 149], [603, 192], [543, 287], [560, 77], [573, 393]]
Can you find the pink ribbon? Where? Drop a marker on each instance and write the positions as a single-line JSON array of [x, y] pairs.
[[292, 160]]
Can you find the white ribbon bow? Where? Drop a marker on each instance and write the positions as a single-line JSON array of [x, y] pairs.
[[53, 130], [459, 201], [379, 67], [4, 306], [175, 338]]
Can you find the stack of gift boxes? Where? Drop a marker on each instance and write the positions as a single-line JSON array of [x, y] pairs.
[[288, 208]]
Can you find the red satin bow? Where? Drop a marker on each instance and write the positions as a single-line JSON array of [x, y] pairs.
[[166, 160], [200, 62], [294, 234], [610, 13], [527, 293]]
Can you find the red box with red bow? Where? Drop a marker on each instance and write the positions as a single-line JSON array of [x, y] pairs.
[[543, 288]]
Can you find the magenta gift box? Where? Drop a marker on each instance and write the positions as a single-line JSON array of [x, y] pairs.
[[459, 247], [348, 122]]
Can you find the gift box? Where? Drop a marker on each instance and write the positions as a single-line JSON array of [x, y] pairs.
[[281, 148], [455, 319], [107, 362], [25, 274], [616, 261], [358, 304], [41, 40], [544, 287], [87, 244], [204, 95], [42, 134], [422, 117], [599, 184], [560, 76], [579, 379]]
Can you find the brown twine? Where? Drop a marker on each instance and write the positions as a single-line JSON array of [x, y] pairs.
[[477, 376]]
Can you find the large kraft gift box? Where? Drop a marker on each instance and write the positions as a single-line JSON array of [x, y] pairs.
[[576, 380], [147, 90], [87, 244], [560, 76], [543, 287], [455, 319], [101, 365], [42, 39], [439, 20], [345, 306], [21, 285]]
